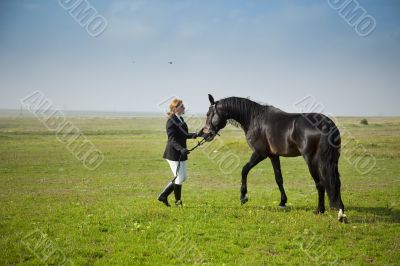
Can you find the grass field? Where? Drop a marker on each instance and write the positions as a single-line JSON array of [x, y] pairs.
[[55, 210]]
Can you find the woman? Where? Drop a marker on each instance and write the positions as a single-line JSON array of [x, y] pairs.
[[176, 150]]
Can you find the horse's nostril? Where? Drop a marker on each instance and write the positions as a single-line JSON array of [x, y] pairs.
[[209, 136]]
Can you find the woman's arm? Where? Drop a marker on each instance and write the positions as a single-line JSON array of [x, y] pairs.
[[195, 135], [192, 135]]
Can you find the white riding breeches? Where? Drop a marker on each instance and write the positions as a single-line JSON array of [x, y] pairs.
[[182, 174]]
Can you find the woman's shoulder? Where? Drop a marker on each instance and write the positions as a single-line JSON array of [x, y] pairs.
[[171, 121]]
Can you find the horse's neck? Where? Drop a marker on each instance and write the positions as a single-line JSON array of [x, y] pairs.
[[251, 119], [242, 118]]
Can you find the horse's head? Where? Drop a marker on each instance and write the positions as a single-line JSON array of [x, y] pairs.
[[215, 119]]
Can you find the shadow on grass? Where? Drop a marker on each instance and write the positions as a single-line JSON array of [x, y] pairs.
[[374, 215], [368, 215], [252, 207]]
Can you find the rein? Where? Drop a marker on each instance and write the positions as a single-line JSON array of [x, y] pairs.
[[199, 143]]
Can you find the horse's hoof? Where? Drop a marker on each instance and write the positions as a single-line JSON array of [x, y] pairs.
[[244, 200], [343, 220], [342, 217], [318, 211]]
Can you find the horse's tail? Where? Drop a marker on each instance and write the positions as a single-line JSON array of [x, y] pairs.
[[329, 151]]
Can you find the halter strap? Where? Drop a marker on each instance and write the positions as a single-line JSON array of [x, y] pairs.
[[215, 111]]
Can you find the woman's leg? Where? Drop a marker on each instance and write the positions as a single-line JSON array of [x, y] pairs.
[[163, 197], [182, 176]]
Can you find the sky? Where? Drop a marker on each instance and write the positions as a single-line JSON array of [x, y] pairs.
[[274, 52]]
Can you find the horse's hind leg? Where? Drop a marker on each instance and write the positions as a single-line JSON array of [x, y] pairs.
[[254, 160], [313, 167], [276, 164]]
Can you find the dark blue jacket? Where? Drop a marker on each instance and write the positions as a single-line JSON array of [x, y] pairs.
[[177, 132]]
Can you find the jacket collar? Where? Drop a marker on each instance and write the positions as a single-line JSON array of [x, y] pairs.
[[179, 118]]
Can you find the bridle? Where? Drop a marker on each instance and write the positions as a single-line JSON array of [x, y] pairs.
[[213, 130]]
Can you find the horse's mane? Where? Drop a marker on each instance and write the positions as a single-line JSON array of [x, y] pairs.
[[241, 110]]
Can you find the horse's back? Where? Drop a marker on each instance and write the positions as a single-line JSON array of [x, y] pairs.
[[289, 134], [308, 129], [278, 128]]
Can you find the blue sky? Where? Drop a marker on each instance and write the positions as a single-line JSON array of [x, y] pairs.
[[275, 52]]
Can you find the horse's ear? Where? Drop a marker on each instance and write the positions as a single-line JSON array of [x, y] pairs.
[[211, 98]]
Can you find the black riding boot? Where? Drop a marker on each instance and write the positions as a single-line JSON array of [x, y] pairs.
[[164, 195], [177, 192]]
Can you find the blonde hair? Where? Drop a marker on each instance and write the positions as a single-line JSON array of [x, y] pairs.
[[173, 105]]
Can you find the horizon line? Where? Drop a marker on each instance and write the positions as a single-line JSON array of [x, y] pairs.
[[17, 112]]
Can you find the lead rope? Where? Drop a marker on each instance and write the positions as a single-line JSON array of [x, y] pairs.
[[180, 156]]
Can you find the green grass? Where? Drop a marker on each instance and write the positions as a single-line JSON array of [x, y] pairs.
[[111, 216]]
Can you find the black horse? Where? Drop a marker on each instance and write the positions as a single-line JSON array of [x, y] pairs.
[[271, 132]]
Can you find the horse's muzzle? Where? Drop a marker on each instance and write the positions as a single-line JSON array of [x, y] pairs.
[[209, 134]]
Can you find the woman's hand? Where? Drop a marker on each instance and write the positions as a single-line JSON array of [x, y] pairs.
[[185, 151], [198, 134]]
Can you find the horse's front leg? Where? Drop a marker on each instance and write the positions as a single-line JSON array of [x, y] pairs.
[[254, 160]]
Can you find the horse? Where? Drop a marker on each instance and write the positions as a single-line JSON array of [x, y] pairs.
[[271, 133]]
